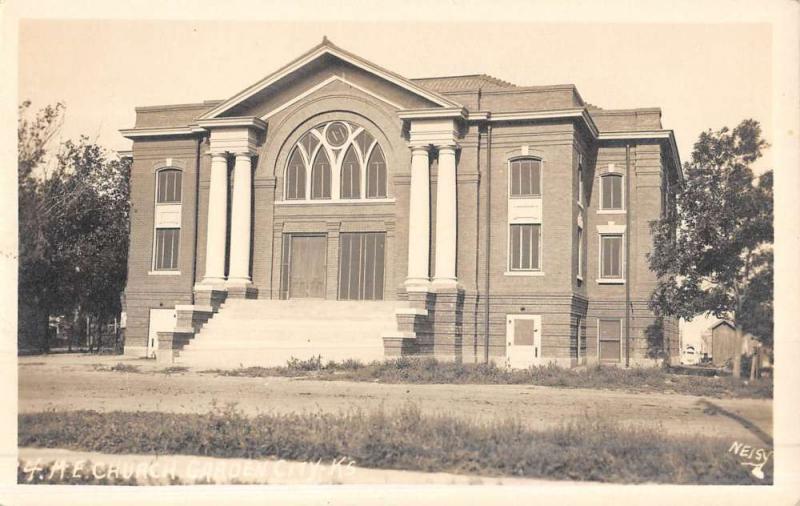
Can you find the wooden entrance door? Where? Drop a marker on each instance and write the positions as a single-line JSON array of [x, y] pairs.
[[307, 266]]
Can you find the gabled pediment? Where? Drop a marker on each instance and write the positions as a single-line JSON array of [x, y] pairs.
[[322, 65]]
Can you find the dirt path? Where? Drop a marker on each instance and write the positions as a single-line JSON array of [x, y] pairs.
[[64, 383]]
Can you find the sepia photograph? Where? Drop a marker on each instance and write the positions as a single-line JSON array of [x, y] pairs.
[[356, 252]]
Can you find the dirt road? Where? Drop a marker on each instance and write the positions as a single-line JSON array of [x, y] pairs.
[[72, 382]]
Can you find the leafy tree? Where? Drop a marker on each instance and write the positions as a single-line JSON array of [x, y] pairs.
[[73, 226], [714, 255]]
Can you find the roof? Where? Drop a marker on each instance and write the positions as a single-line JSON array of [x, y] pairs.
[[726, 322], [469, 82], [326, 47]]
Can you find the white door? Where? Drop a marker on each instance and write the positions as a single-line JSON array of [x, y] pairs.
[[523, 341], [161, 320]]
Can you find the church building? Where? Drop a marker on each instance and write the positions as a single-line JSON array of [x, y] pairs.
[[338, 210]]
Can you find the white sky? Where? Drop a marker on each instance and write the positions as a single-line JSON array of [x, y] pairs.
[[701, 75]]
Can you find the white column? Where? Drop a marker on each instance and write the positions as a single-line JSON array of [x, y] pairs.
[[419, 215], [217, 221], [239, 272], [446, 220]]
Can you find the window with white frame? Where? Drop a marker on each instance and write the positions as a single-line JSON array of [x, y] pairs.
[[611, 260], [338, 160], [580, 185], [525, 176], [167, 226], [525, 247], [611, 192]]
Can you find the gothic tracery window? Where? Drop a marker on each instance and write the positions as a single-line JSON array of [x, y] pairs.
[[337, 160]]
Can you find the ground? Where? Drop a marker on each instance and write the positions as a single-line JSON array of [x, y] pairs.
[[71, 382]]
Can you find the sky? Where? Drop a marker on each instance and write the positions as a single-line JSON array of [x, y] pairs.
[[701, 75]]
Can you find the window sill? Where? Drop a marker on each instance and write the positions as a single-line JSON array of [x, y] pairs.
[[363, 202], [579, 278], [524, 273], [609, 281], [164, 273], [611, 211]]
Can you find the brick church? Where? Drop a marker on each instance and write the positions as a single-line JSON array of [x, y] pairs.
[[336, 209]]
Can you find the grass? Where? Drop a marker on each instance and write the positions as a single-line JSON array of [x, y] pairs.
[[584, 449], [428, 371]]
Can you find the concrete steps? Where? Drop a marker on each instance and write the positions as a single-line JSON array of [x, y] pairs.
[[266, 333]]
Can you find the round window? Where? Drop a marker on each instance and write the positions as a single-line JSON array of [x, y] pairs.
[[337, 134]]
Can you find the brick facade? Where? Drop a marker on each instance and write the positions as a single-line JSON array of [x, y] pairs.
[[496, 122]]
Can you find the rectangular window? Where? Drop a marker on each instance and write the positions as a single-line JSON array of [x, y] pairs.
[[526, 176], [610, 334], [611, 256], [524, 247], [611, 189], [580, 252], [166, 249], [579, 337], [580, 184]]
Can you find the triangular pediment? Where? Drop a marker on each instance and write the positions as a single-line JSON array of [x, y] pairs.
[[319, 67]]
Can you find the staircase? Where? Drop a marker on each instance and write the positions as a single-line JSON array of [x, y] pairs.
[[265, 332]]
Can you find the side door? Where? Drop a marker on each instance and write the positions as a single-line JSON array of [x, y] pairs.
[[523, 341]]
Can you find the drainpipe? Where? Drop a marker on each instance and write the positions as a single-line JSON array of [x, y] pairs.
[[627, 255], [196, 212], [488, 237]]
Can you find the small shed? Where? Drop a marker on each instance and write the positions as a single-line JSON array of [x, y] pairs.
[[723, 343]]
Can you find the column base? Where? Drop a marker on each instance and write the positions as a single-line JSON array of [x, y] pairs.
[[212, 283], [445, 285], [241, 288], [418, 285]]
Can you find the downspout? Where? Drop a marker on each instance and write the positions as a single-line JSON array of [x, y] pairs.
[[488, 238], [196, 212], [627, 254]]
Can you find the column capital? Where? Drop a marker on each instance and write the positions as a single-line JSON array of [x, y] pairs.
[[216, 153], [248, 153], [448, 146], [419, 147]]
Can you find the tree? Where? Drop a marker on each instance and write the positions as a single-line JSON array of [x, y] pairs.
[[74, 223], [713, 256]]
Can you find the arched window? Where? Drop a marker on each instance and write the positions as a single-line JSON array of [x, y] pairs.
[[321, 176], [296, 177], [611, 191], [350, 175], [526, 177], [168, 186], [376, 174], [337, 151]]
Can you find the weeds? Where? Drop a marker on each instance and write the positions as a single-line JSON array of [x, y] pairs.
[[584, 449], [120, 367], [428, 370]]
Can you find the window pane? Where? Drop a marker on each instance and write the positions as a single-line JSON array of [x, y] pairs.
[[376, 174], [536, 231], [350, 175], [612, 192], [612, 256], [610, 329], [536, 179], [515, 247], [523, 332], [166, 248], [321, 177], [515, 179], [364, 141], [296, 177], [580, 252], [168, 184], [525, 178], [309, 142]]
